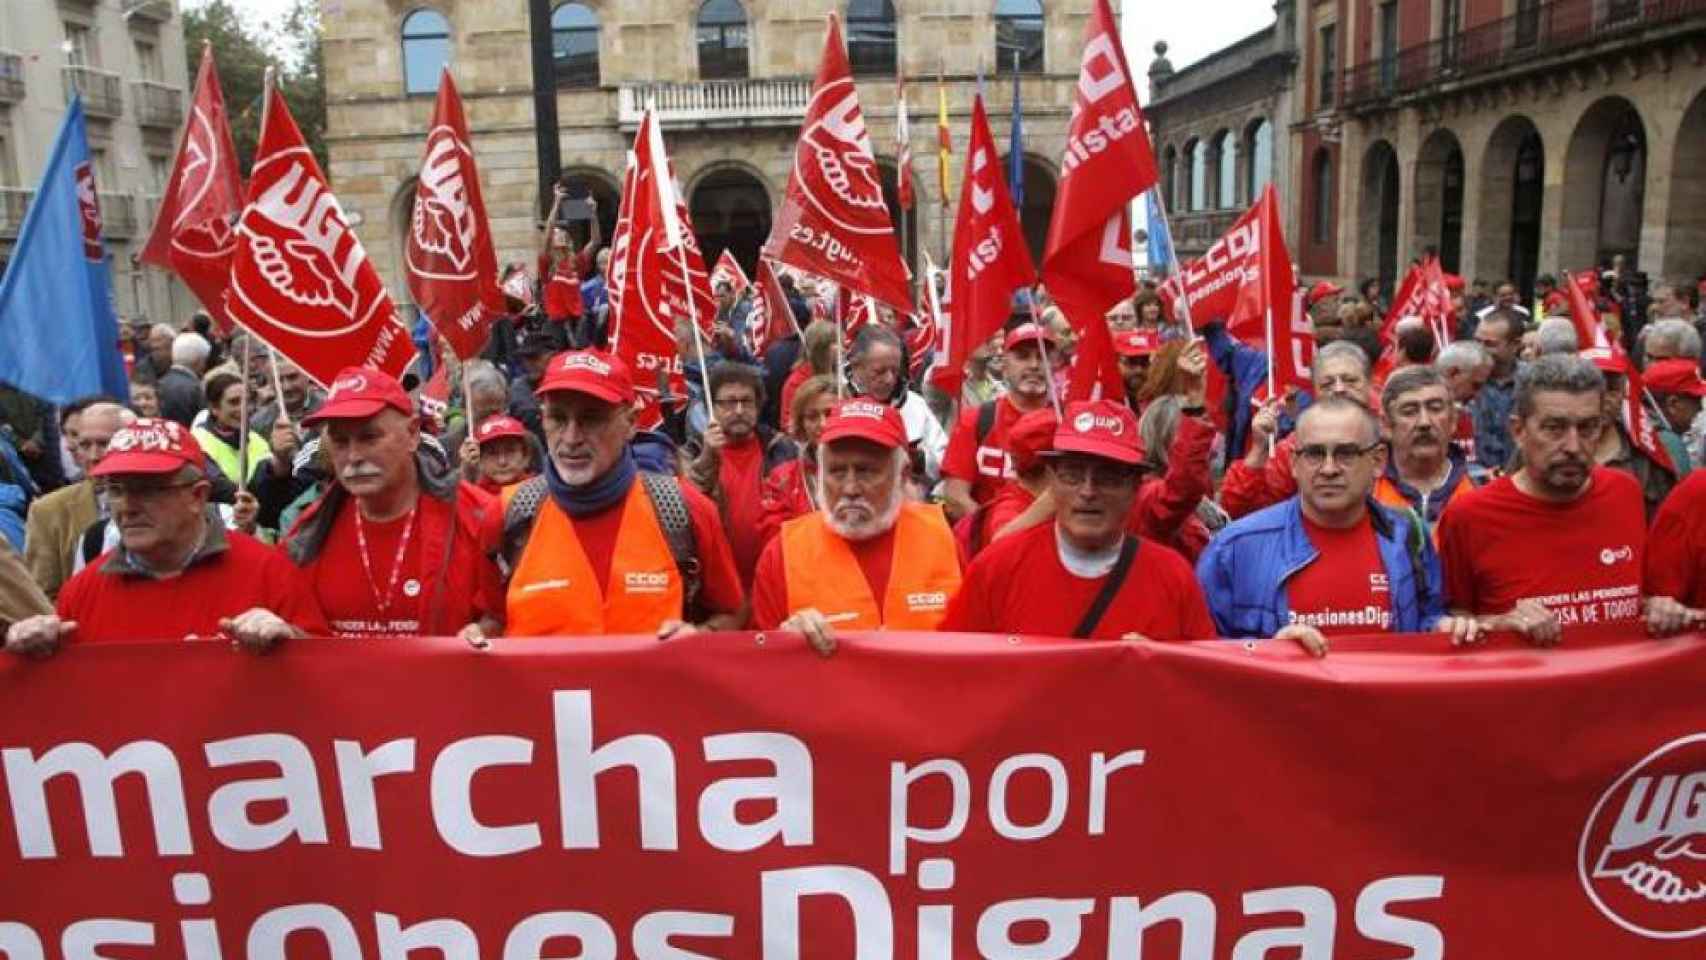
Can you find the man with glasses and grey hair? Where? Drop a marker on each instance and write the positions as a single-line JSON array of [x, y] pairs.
[[1330, 560], [54, 528], [1559, 542], [177, 572]]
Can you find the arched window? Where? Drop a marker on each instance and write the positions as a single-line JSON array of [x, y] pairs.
[[1225, 171], [426, 49], [871, 36], [1259, 158], [574, 45], [1018, 36], [722, 40], [1321, 217], [1196, 161]]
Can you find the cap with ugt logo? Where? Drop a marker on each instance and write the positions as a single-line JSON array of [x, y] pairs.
[[359, 393], [592, 372], [864, 420], [150, 445], [497, 428], [1099, 428]]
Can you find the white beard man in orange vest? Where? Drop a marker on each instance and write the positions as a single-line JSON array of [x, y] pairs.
[[868, 559]]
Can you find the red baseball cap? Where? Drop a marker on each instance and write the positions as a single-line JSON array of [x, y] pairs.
[[1100, 428], [592, 372], [150, 445], [1676, 375], [1142, 342], [497, 428], [865, 420], [1031, 436], [359, 393], [1322, 291], [1026, 333]]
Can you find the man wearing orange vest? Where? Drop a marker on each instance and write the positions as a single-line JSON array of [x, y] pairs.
[[868, 559], [1424, 470], [597, 546]]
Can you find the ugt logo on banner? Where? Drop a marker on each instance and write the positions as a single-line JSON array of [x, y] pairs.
[[1642, 858]]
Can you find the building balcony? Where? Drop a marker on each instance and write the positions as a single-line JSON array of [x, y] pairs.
[[717, 103], [14, 203], [157, 104], [11, 77], [102, 90], [1549, 29], [158, 11], [1197, 231], [118, 215]]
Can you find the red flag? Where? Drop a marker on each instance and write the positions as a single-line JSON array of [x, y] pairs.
[[1290, 338], [990, 258], [1095, 373], [1087, 263], [300, 279], [448, 260], [771, 318], [1595, 344], [192, 234], [728, 271], [833, 221], [922, 336]]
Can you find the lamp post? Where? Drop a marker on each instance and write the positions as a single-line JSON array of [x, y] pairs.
[[548, 150]]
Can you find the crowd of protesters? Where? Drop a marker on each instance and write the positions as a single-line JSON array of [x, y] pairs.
[[1481, 485]]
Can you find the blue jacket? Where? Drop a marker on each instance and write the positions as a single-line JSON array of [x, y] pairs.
[[1247, 370], [1244, 570]]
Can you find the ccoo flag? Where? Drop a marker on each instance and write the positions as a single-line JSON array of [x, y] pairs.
[[57, 324]]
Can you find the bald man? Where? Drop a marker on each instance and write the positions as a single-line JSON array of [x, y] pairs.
[[56, 522]]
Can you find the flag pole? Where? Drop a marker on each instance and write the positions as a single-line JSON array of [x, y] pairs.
[[243, 421], [698, 336], [277, 384], [1048, 364], [941, 160], [840, 359]]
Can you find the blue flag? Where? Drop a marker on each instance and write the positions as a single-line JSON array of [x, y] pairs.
[[1160, 239], [1016, 147], [57, 324]]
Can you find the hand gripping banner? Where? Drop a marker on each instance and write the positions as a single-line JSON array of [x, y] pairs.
[[913, 796]]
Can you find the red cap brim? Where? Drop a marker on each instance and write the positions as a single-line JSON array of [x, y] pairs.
[[347, 410], [1118, 453], [136, 461]]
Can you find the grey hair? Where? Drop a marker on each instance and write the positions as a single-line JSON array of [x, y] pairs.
[[1338, 349], [1557, 373], [1157, 428], [1408, 380], [1679, 335], [1335, 404], [164, 328], [870, 335], [1557, 335], [1463, 355], [190, 350], [482, 375]]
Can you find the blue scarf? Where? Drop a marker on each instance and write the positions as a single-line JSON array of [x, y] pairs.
[[597, 496]]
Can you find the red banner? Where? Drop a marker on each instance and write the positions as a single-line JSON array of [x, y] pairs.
[[912, 796]]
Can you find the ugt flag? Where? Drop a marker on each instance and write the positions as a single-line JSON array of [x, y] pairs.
[[58, 334]]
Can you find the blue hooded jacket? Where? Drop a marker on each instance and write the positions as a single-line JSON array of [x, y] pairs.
[[1246, 566]]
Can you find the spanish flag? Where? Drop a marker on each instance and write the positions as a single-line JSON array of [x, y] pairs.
[[943, 144]]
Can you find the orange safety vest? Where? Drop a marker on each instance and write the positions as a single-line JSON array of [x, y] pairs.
[[1386, 493], [555, 592], [822, 572]]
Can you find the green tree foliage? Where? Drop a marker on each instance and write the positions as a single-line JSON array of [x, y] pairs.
[[242, 56]]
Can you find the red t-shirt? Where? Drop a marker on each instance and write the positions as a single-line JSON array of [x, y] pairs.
[[1008, 502], [563, 284], [770, 587], [985, 466], [1676, 546], [1465, 435], [1345, 590], [741, 477], [245, 575], [796, 379], [1018, 584], [720, 589], [389, 596], [1582, 559], [785, 497]]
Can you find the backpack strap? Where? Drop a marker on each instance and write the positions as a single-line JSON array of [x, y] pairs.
[[519, 515], [985, 420], [677, 524], [1110, 589]]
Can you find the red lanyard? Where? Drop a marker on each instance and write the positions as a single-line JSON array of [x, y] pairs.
[[383, 601]]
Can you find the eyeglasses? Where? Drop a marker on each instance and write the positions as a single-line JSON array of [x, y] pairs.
[[1102, 476], [137, 489], [1315, 455]]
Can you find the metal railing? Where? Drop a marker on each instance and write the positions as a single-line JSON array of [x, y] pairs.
[[11, 76], [1545, 29], [157, 104], [118, 215], [1199, 230], [14, 203], [102, 90], [747, 102]]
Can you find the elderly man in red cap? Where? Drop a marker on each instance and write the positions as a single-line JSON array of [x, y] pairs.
[[868, 558], [500, 454], [598, 546], [397, 546], [977, 462], [1083, 575], [177, 572]]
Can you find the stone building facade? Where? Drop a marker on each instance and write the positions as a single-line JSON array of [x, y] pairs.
[[730, 80], [1516, 137]]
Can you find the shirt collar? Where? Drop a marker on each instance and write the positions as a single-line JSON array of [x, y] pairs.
[[213, 543]]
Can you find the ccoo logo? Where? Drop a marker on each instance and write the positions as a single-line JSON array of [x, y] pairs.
[[1642, 857]]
